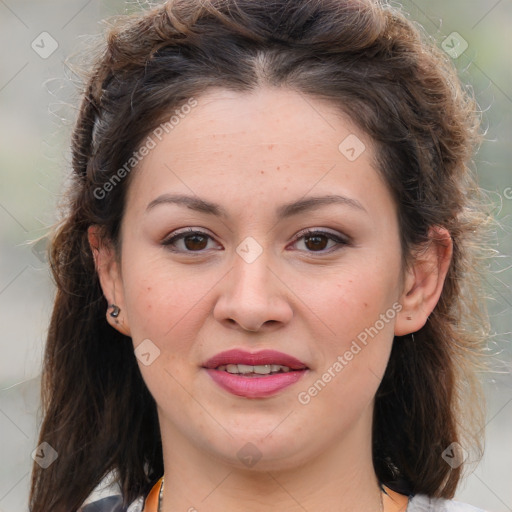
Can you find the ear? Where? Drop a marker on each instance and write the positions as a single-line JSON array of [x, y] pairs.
[[109, 275], [424, 282]]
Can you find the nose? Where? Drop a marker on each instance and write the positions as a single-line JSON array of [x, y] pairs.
[[253, 297]]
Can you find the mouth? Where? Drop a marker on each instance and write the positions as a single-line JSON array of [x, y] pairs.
[[260, 363], [254, 375], [246, 370]]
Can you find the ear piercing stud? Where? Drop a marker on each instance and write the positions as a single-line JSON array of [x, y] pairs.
[[115, 311]]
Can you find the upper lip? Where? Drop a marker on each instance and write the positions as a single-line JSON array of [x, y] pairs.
[[237, 356]]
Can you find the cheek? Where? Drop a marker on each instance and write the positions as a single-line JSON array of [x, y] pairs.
[[354, 299], [163, 304], [168, 310], [360, 310]]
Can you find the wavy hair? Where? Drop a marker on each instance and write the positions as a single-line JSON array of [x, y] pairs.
[[374, 65]]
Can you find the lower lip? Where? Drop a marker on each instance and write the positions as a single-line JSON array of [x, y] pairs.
[[255, 387]]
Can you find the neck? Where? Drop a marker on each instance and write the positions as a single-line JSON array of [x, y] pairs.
[[340, 478], [268, 492]]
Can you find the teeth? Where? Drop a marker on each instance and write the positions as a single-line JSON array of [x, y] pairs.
[[261, 369], [245, 368]]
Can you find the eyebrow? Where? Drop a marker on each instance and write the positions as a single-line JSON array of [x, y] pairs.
[[284, 211]]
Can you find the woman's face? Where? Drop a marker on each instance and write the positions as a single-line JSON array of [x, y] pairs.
[[251, 173]]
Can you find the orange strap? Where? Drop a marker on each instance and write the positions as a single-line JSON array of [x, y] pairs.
[[151, 503], [395, 502]]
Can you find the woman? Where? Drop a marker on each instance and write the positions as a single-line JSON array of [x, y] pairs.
[[267, 296]]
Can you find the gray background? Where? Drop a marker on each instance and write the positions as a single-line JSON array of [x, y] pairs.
[[38, 103]]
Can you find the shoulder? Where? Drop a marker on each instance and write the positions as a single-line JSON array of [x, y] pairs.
[[107, 497], [423, 503], [112, 504]]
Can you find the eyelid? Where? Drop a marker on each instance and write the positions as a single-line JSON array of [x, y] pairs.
[[188, 229], [341, 240], [179, 234], [307, 231]]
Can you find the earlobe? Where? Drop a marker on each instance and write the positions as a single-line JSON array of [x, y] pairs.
[[109, 276], [116, 320], [424, 281]]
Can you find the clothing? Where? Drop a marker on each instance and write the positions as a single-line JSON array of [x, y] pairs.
[[422, 503], [107, 498]]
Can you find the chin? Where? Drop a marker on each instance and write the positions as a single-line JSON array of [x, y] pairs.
[[260, 453]]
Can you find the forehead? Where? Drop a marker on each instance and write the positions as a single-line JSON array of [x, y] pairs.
[[251, 142], [266, 115]]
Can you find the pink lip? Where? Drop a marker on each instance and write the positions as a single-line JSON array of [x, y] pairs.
[[237, 356], [254, 387]]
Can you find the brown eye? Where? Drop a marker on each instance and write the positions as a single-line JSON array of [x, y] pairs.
[[188, 242], [316, 242], [195, 242]]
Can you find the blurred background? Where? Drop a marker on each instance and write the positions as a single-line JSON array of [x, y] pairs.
[[38, 103]]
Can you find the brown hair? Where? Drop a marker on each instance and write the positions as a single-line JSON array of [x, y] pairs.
[[374, 65]]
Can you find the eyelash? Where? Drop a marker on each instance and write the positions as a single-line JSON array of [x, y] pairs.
[[340, 241]]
